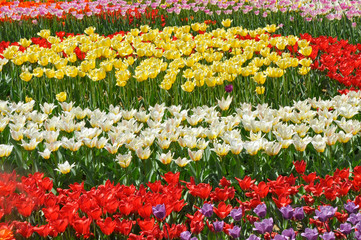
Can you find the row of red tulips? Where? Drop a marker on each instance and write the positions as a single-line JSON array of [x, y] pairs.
[[28, 205]]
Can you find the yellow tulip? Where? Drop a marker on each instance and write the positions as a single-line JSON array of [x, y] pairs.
[[166, 85], [281, 45], [203, 27], [26, 76], [45, 33], [71, 71], [24, 42], [144, 28], [303, 43], [81, 73], [294, 62], [283, 63], [292, 40], [306, 62], [130, 60], [271, 28], [211, 82], [260, 77], [59, 74], [72, 58], [50, 73], [121, 83], [61, 97], [38, 72], [188, 74], [43, 61], [18, 60], [134, 32], [306, 51], [195, 27], [265, 51], [303, 70], [53, 40], [188, 86], [258, 62], [28, 99], [260, 90], [89, 30]]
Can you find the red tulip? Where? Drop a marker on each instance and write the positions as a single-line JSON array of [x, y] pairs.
[[124, 226], [171, 178], [145, 211], [300, 166], [107, 226], [223, 210], [82, 226], [246, 183], [51, 213]]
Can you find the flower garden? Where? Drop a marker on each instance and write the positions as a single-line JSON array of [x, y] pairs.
[[189, 119]]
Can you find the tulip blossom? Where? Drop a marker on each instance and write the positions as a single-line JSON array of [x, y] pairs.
[[207, 210], [264, 226], [159, 211], [261, 210], [325, 213], [235, 232], [310, 234], [236, 214], [64, 168], [287, 212], [218, 226]]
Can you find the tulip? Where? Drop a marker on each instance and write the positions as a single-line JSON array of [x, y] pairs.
[[235, 232], [228, 88], [236, 214], [265, 226], [64, 168], [159, 211], [261, 210], [227, 22], [61, 97], [287, 212], [207, 210], [351, 207], [218, 226]]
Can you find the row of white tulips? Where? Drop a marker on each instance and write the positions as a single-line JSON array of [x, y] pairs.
[[312, 121]]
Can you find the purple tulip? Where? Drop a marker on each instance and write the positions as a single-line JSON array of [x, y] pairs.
[[236, 214], [351, 207], [357, 235], [228, 88], [159, 211], [328, 236], [261, 210], [299, 214], [354, 218], [235, 232], [186, 235], [207, 210], [218, 226], [279, 237], [346, 228], [325, 213], [253, 237], [265, 226], [287, 212], [289, 234], [310, 234]]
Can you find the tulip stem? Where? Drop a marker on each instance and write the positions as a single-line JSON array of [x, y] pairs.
[[2, 163], [166, 230]]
